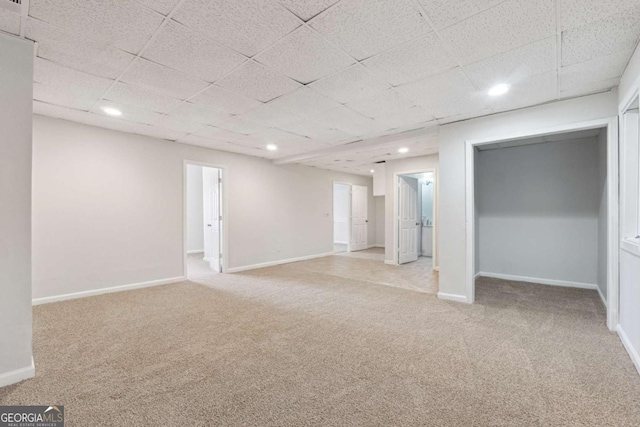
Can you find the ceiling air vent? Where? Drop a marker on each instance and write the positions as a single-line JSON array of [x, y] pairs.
[[12, 5]]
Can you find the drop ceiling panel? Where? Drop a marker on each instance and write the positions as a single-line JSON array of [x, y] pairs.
[[447, 12], [392, 109], [350, 122], [269, 116], [222, 145], [304, 102], [175, 123], [199, 113], [513, 66], [161, 133], [594, 71], [183, 49], [601, 38], [57, 111], [447, 94], [364, 28], [411, 61], [162, 6], [304, 56], [530, 91], [460, 117], [142, 98], [226, 101], [125, 24], [509, 25], [307, 9], [247, 26], [75, 52], [221, 134], [59, 85], [576, 13], [258, 82], [161, 79], [317, 132], [9, 22], [239, 125], [351, 84], [129, 113], [601, 86]]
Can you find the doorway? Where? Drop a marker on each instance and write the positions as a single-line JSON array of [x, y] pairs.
[[205, 221], [350, 217]]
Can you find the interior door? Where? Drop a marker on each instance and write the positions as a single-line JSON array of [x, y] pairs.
[[359, 220], [211, 203], [408, 221]]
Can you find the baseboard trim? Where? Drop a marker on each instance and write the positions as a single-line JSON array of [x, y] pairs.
[[452, 297], [477, 275], [602, 298], [94, 292], [550, 282], [195, 251], [436, 268], [340, 243], [629, 347], [390, 262], [377, 245], [17, 375], [279, 262]]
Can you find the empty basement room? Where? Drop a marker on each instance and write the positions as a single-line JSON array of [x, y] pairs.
[[320, 212]]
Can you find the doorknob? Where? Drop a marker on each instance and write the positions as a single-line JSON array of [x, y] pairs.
[[417, 223], [208, 225]]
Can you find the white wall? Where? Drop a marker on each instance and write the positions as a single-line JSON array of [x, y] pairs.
[[112, 215], [602, 214], [380, 220], [195, 219], [451, 189], [16, 77], [341, 202], [409, 165], [538, 208], [629, 325]]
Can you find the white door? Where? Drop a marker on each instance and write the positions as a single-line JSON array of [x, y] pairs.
[[408, 221], [211, 202], [359, 219]]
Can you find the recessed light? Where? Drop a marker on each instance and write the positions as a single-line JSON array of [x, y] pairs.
[[272, 147], [403, 150], [498, 90], [372, 171], [112, 111]]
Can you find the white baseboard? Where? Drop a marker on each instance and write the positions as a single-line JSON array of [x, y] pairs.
[[340, 243], [477, 275], [279, 262], [390, 262], [602, 298], [436, 268], [83, 294], [629, 347], [15, 376], [195, 251], [378, 245], [452, 297], [551, 282]]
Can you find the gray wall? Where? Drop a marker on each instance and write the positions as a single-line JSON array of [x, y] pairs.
[[538, 208], [602, 213], [380, 220], [16, 77]]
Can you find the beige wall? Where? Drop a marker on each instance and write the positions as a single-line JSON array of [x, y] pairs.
[[108, 208]]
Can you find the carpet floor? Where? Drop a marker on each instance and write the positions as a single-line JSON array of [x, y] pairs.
[[285, 346]]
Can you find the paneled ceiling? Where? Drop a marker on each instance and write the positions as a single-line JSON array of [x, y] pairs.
[[306, 75]]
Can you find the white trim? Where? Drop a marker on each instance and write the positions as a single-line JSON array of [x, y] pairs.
[[631, 246], [539, 281], [629, 347], [17, 375], [340, 243], [436, 268], [378, 245], [478, 274], [195, 251], [349, 222], [452, 297], [279, 262], [611, 124], [94, 292], [224, 241], [602, 298], [390, 262]]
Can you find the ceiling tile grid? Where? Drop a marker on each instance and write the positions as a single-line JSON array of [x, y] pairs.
[[530, 91], [392, 109], [304, 102], [350, 84], [363, 28], [140, 97], [444, 13], [9, 22], [304, 56], [162, 6], [350, 122], [307, 9], [256, 81], [594, 71], [225, 101], [199, 113]]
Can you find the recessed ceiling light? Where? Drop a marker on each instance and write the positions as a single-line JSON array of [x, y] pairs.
[[112, 111], [372, 171], [272, 147], [498, 90], [403, 150]]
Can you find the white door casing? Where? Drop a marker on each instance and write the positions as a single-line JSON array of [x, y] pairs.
[[408, 222], [359, 220], [211, 195]]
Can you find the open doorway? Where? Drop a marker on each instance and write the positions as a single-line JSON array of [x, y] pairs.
[[350, 217], [542, 208], [204, 220]]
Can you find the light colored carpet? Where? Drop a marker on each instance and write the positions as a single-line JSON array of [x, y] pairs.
[[288, 347], [197, 267]]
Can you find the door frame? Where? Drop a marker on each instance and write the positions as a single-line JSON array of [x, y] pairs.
[[396, 213], [611, 124], [333, 223], [224, 239]]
